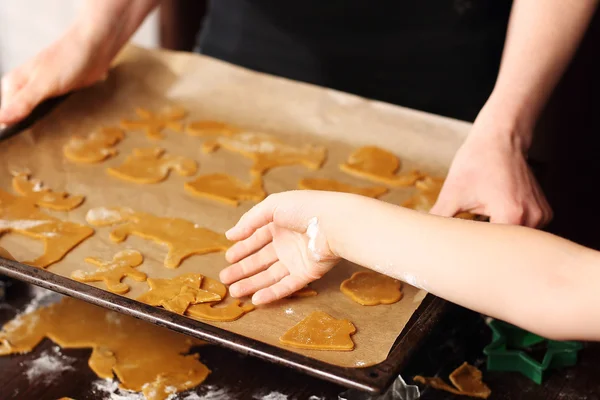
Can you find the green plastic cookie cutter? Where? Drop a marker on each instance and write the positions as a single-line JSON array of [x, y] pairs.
[[514, 349]]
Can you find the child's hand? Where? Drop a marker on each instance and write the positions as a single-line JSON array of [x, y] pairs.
[[282, 246]]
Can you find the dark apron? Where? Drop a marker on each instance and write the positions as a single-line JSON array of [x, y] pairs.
[[436, 56]]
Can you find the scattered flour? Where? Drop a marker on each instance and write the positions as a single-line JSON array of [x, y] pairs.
[[40, 297], [103, 215], [48, 366], [20, 224], [316, 398], [110, 389], [272, 396], [289, 311], [212, 393], [312, 231]]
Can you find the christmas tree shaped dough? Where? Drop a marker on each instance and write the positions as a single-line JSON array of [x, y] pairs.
[[268, 152], [151, 165], [371, 288], [145, 357], [177, 294], [210, 128], [97, 147], [22, 216], [113, 272], [226, 188], [378, 165], [320, 331], [337, 186], [154, 123], [183, 238]]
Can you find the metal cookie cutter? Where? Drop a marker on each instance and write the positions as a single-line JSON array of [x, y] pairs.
[[514, 349]]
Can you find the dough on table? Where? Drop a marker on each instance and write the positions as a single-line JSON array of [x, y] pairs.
[[144, 357], [467, 381], [113, 272], [320, 331], [268, 151], [21, 215], [177, 294], [154, 123], [183, 238], [152, 165], [96, 147], [226, 188], [429, 189], [337, 186], [378, 165], [35, 191], [372, 288], [210, 128]]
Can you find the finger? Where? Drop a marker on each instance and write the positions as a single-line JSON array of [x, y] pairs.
[[250, 265], [257, 241], [22, 103], [255, 218], [270, 276], [11, 83], [444, 208], [282, 289], [510, 215]]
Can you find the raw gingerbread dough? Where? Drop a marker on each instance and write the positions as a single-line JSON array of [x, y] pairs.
[[44, 197], [177, 294], [154, 123], [337, 186], [466, 379], [371, 288], [304, 292], [113, 272], [21, 215], [97, 147], [222, 313], [320, 331], [429, 189], [210, 128], [145, 358], [226, 188], [378, 165], [151, 165], [182, 237], [268, 152]]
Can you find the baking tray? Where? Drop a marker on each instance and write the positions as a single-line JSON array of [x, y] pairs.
[[374, 379]]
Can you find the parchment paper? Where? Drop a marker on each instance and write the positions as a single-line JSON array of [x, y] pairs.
[[211, 89]]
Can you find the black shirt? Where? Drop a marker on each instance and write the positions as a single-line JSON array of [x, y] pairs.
[[440, 56]]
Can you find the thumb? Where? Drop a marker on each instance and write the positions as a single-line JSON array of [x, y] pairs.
[[444, 207], [20, 104]]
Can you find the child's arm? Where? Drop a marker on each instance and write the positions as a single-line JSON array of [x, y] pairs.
[[535, 280]]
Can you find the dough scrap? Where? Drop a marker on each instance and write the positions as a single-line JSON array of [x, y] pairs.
[[466, 380], [372, 288], [34, 191], [151, 165], [21, 215], [269, 152], [154, 123], [113, 272], [304, 292], [177, 294], [320, 331], [226, 189], [429, 189], [222, 313], [210, 128], [145, 358], [183, 238], [378, 165], [336, 186], [97, 147]]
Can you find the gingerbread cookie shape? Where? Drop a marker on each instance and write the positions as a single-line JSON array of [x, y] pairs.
[[304, 292], [21, 215], [429, 189], [152, 165], [337, 186], [320, 331], [113, 272], [210, 128], [378, 165], [269, 152], [371, 288], [97, 147], [467, 381], [144, 357], [154, 123], [36, 192], [226, 189], [183, 238], [178, 293], [227, 313]]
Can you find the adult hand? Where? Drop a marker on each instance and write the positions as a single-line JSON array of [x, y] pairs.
[[490, 176], [280, 250]]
